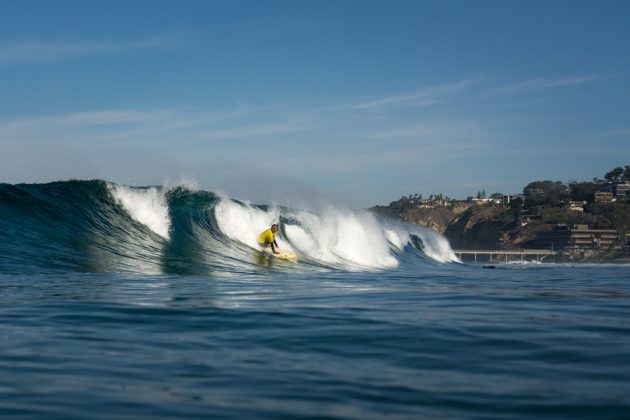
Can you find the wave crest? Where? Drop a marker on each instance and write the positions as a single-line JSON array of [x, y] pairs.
[[101, 226], [145, 205]]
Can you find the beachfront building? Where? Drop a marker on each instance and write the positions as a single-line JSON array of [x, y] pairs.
[[603, 197], [618, 190], [486, 201], [577, 205], [563, 237]]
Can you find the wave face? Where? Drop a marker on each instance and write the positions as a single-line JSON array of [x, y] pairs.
[[98, 226]]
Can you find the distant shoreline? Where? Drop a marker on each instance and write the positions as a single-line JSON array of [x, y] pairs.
[[580, 221]]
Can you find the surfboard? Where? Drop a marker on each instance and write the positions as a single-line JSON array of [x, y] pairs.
[[284, 254]]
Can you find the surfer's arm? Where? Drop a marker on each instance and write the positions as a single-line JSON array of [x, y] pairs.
[[274, 245]]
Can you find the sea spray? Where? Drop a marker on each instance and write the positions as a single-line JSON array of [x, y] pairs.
[[242, 222], [436, 246], [101, 226], [145, 205], [432, 244], [351, 239], [397, 239]]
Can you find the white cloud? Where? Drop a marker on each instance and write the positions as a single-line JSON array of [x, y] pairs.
[[454, 137], [612, 133], [129, 129], [37, 51], [251, 131], [544, 84], [331, 142], [426, 96], [45, 125]]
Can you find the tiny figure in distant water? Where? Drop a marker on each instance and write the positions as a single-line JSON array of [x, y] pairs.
[[268, 239]]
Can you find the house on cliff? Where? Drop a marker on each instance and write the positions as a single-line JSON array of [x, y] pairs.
[[618, 190], [563, 237], [604, 197]]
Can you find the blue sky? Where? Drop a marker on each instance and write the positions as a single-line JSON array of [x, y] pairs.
[[357, 101]]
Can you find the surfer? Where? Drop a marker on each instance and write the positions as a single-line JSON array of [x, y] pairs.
[[268, 238]]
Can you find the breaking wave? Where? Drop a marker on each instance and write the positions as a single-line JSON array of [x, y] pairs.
[[98, 226]]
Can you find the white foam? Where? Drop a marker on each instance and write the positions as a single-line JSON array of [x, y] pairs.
[[436, 246], [346, 238], [145, 205], [242, 222], [396, 239], [187, 183], [354, 240]]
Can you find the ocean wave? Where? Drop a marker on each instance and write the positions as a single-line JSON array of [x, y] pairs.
[[99, 226]]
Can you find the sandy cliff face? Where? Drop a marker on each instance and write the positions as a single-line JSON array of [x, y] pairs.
[[481, 228], [436, 218], [467, 226], [472, 226]]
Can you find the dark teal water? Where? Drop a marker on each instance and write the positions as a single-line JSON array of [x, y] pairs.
[[121, 333]]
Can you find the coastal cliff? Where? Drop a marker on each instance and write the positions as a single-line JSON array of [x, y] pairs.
[[583, 221], [466, 226], [482, 228]]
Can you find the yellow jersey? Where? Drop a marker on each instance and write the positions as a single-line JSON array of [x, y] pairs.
[[266, 237]]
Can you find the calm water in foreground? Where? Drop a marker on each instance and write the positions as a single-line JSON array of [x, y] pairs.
[[430, 340]]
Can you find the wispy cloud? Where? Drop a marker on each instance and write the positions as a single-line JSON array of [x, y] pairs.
[[544, 84], [37, 51], [426, 96], [331, 163], [612, 133], [450, 136], [253, 131], [51, 123], [141, 125]]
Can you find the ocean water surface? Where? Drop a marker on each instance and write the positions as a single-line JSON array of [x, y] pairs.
[[121, 302]]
